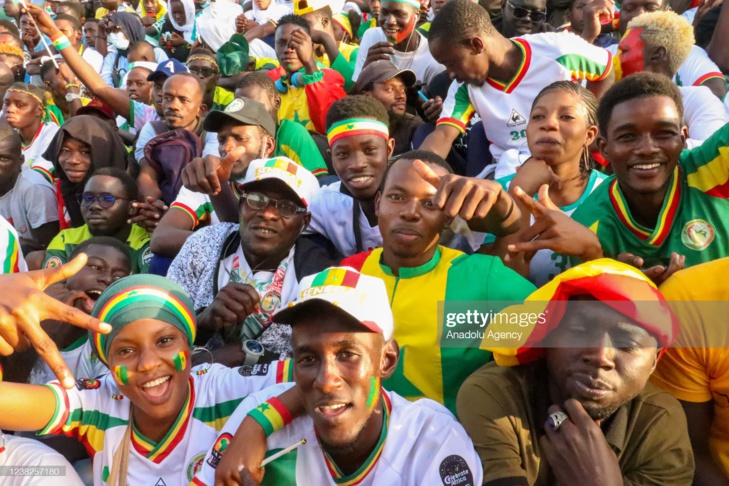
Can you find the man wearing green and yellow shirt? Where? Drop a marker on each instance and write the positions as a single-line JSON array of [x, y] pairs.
[[106, 205], [418, 199], [339, 56], [203, 65]]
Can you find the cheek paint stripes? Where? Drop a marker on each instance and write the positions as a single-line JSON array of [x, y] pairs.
[[374, 393], [121, 374], [181, 359]]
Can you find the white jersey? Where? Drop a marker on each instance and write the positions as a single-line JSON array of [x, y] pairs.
[[504, 108], [33, 152], [272, 14], [420, 61], [97, 413], [80, 359], [11, 258], [196, 205], [546, 264], [421, 444], [703, 113], [332, 217], [22, 452]]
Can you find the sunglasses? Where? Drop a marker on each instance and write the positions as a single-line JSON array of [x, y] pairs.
[[259, 202], [534, 15], [86, 200], [205, 72]]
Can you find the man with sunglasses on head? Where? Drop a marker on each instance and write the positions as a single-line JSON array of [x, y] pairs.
[[522, 17], [203, 65], [106, 206], [239, 274]]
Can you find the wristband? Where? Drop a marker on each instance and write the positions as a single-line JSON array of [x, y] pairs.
[[271, 415], [61, 43], [73, 85]]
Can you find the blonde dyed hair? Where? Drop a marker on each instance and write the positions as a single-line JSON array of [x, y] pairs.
[[9, 50], [669, 30]]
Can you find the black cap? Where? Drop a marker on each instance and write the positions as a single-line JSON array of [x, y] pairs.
[[243, 110]]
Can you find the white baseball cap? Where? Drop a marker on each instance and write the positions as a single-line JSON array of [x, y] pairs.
[[293, 176], [361, 297]]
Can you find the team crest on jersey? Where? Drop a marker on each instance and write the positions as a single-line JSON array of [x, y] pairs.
[[454, 471], [253, 370], [217, 453], [195, 465], [697, 234], [146, 255], [87, 384], [53, 262], [515, 119]]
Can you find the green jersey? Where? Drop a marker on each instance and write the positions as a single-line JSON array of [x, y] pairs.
[[294, 142], [60, 249], [692, 221]]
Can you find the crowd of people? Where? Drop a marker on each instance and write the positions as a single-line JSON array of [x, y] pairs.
[[375, 242]]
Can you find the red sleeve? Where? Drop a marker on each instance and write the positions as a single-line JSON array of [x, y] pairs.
[[356, 261], [276, 74], [321, 95]]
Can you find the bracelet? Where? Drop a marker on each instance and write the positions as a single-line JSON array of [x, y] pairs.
[[73, 85], [271, 415], [61, 42]]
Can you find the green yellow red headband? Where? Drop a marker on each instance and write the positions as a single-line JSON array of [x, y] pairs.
[[415, 5], [357, 126], [142, 297]]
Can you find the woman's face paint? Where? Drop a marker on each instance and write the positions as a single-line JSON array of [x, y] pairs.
[[374, 393], [121, 374], [181, 359], [630, 52]]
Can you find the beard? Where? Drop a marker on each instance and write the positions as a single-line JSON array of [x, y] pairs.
[[348, 448]]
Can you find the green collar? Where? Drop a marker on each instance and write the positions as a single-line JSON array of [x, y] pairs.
[[412, 272]]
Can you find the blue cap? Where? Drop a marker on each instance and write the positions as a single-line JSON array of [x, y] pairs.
[[167, 69]]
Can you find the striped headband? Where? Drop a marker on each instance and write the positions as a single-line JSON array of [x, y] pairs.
[[357, 126], [203, 58], [16, 90], [133, 298], [415, 5]]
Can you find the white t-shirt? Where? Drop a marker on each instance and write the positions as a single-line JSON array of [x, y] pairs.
[[422, 444], [703, 112], [147, 133], [420, 61], [97, 413], [504, 109], [33, 153], [331, 216], [274, 12], [22, 452], [30, 204], [11, 258], [94, 58], [546, 264]]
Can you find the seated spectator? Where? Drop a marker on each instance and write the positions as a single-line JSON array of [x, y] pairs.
[[292, 139], [238, 275], [106, 206], [260, 21], [522, 17], [665, 208], [152, 11], [215, 25], [498, 78], [71, 28], [398, 40], [64, 92], [562, 125], [584, 20], [697, 70], [307, 91], [153, 318], [332, 54], [380, 437], [177, 32], [12, 56], [24, 110], [386, 83], [694, 369], [420, 274], [202, 64], [27, 200], [570, 402], [660, 42], [245, 128], [83, 145]]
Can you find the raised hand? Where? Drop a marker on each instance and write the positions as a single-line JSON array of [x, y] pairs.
[[658, 273], [24, 304], [380, 51], [207, 174]]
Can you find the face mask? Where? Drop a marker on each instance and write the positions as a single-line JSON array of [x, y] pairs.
[[118, 40]]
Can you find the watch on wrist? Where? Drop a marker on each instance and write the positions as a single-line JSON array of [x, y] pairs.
[[254, 351], [72, 96]]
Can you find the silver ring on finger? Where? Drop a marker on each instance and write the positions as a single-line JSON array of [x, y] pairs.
[[555, 420]]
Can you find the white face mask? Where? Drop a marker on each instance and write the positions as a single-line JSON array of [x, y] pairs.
[[118, 40]]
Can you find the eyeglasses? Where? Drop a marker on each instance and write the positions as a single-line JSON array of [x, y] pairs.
[[534, 15], [203, 71], [86, 200], [259, 202]]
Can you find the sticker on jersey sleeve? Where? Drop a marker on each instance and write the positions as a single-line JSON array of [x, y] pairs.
[[253, 370], [195, 464], [87, 384], [454, 471], [515, 119], [217, 453], [697, 234]]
